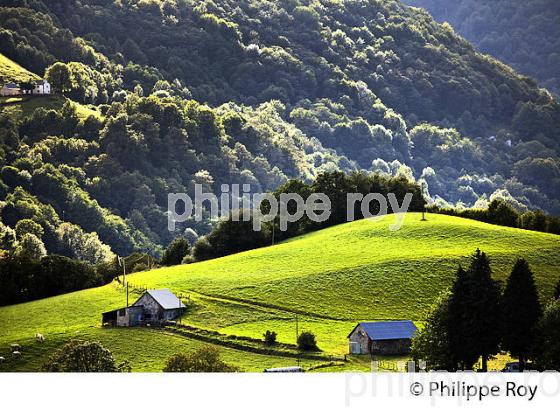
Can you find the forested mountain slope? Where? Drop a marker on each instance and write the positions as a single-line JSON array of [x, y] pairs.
[[258, 92], [524, 34]]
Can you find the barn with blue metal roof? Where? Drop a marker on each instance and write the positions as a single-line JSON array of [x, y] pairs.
[[382, 338]]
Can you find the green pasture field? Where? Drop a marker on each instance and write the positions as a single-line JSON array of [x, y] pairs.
[[329, 280]]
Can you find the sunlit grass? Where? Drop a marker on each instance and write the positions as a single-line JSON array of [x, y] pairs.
[[24, 106], [331, 279], [11, 71], [146, 350]]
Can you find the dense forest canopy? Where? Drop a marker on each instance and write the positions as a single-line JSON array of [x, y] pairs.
[[524, 34], [255, 92]]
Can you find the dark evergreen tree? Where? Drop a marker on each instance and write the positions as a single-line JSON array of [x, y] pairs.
[[483, 316], [521, 311], [474, 314], [175, 252], [458, 326]]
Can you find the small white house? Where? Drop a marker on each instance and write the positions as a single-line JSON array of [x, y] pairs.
[[10, 89], [42, 87]]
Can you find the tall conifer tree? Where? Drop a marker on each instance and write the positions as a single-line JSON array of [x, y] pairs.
[[521, 312], [458, 327], [484, 316], [474, 314]]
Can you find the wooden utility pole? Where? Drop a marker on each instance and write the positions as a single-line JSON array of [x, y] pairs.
[[297, 328], [122, 262]]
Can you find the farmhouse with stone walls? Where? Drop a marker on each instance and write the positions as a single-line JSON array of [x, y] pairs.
[[153, 307]]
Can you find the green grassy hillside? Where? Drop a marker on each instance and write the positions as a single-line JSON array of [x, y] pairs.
[[23, 106], [330, 279], [11, 71], [19, 107]]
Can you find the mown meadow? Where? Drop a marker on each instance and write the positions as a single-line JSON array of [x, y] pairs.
[[325, 281]]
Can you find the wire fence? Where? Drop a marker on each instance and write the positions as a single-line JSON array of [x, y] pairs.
[[391, 366]]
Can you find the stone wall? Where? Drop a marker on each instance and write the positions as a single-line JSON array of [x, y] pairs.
[[130, 316], [359, 336], [153, 312]]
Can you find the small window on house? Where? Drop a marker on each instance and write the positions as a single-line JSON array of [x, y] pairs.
[[122, 312]]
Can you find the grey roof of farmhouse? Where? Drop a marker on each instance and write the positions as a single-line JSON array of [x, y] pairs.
[[397, 329], [11, 85], [166, 299]]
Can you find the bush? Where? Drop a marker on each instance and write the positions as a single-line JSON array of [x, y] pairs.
[[306, 342], [138, 262], [139, 267], [269, 338], [81, 356], [188, 259], [175, 252], [203, 250], [204, 360], [108, 270]]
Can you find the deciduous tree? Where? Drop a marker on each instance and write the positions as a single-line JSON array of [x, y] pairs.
[[30, 247], [60, 77], [548, 338], [81, 356], [175, 251], [432, 344]]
